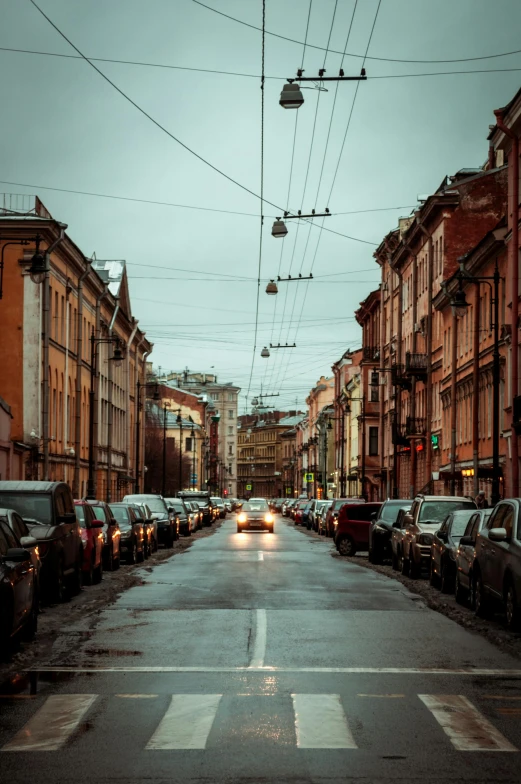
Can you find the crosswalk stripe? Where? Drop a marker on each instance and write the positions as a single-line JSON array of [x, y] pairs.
[[53, 724], [186, 723], [320, 722], [466, 727]]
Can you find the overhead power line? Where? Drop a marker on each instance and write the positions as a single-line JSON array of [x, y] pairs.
[[360, 56], [167, 66], [165, 130]]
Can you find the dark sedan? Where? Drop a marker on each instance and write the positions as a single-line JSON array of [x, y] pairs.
[[181, 512], [444, 548], [132, 542], [381, 529], [167, 524], [18, 590], [255, 516]]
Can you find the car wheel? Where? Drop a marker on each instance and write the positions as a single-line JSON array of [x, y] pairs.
[[132, 556], [512, 613], [88, 575], [109, 561], [98, 572], [433, 577], [116, 563], [394, 561], [170, 540], [459, 592], [481, 603], [188, 531], [405, 566], [346, 547], [447, 580], [376, 556], [59, 593], [141, 555]]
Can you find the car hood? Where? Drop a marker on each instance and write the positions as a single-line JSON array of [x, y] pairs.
[[429, 528]]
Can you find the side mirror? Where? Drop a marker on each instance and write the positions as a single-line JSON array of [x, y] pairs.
[[497, 534], [466, 540], [28, 541], [373, 515], [97, 524], [17, 555], [407, 519], [67, 518], [171, 510], [397, 524], [442, 536]]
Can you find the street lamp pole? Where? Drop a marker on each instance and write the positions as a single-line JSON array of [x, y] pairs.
[[163, 483], [192, 436], [139, 387]]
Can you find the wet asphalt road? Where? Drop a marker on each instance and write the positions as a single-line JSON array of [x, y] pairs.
[[260, 658]]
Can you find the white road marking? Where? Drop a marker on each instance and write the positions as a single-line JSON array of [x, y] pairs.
[[187, 722], [53, 724], [137, 696], [260, 555], [320, 722], [466, 727], [259, 648], [490, 673]]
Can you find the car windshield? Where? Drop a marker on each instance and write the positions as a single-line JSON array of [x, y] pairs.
[[389, 511], [121, 514], [29, 505], [155, 503], [255, 506], [199, 499], [459, 523], [437, 511], [177, 505]]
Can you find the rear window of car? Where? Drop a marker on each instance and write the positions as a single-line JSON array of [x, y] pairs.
[[29, 505], [437, 511], [99, 513], [155, 503], [389, 510], [80, 516], [459, 524], [121, 514]]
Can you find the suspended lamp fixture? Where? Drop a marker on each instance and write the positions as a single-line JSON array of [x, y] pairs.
[[291, 96]]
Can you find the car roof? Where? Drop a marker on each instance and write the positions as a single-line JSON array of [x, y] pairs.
[[443, 498], [30, 486]]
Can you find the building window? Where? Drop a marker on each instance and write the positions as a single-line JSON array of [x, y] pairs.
[[230, 413], [189, 444], [214, 395], [231, 397], [373, 441], [230, 430], [230, 449], [374, 395]]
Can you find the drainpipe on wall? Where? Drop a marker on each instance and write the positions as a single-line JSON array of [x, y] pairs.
[[399, 356], [46, 335], [128, 438], [109, 411], [453, 403], [76, 489], [428, 391], [412, 398], [96, 413], [140, 458], [475, 394], [513, 261]]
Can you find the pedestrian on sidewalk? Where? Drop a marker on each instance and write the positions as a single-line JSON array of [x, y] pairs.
[[481, 500]]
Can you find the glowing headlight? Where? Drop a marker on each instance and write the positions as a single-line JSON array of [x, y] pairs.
[[242, 518], [268, 518]]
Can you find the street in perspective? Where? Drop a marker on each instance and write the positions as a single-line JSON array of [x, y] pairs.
[[260, 398]]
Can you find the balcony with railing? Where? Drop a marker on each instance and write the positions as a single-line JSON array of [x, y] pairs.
[[371, 353], [415, 426], [416, 365], [398, 378], [397, 434]]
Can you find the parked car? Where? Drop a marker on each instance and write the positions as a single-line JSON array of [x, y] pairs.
[[314, 505], [332, 512], [255, 515], [167, 527], [352, 529], [305, 515], [24, 537], [298, 511], [47, 509], [143, 515], [397, 539], [228, 506], [204, 501], [320, 516], [150, 528], [466, 555], [194, 515], [178, 505], [19, 600], [132, 542], [286, 506], [426, 515], [381, 529], [219, 505], [444, 548], [92, 540], [496, 574], [111, 534]]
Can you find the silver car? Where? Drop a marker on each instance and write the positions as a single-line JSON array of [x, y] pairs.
[[465, 555]]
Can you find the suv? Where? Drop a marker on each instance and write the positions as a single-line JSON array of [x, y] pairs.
[[333, 510], [204, 502], [352, 529], [47, 509], [167, 531], [496, 574], [425, 518]]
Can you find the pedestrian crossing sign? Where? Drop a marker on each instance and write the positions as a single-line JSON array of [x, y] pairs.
[[309, 477], [248, 487]]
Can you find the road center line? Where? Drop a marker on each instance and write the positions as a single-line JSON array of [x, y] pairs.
[[260, 555], [259, 648]]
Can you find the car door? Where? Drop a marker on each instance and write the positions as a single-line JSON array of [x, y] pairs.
[[409, 531], [22, 576], [437, 547], [69, 531], [500, 551], [359, 517], [486, 551], [465, 554]]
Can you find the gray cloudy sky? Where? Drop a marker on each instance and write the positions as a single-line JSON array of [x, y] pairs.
[[65, 127]]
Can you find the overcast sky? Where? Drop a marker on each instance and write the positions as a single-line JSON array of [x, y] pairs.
[[192, 272]]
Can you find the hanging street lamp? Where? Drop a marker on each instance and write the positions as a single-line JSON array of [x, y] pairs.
[[291, 96], [265, 353], [279, 229], [272, 288]]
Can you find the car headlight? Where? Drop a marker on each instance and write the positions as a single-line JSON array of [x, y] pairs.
[[425, 540], [268, 518], [242, 518]]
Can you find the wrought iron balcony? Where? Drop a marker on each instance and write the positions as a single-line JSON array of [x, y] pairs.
[[371, 353], [415, 426], [398, 378], [397, 436], [416, 364]]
